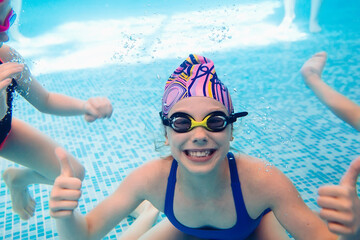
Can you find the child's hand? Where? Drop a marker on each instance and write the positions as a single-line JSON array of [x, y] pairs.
[[313, 67], [66, 190], [98, 107], [341, 205], [7, 70]]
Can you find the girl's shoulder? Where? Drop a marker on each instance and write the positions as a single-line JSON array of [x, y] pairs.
[[251, 163], [5, 53], [8, 54], [151, 180], [150, 175], [158, 165], [154, 171], [4, 50], [258, 173], [262, 183]]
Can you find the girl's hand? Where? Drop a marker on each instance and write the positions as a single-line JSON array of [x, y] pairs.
[[341, 205], [97, 107], [7, 72], [66, 191], [312, 69]]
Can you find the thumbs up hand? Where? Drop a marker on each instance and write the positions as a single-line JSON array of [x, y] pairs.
[[66, 190], [341, 205]]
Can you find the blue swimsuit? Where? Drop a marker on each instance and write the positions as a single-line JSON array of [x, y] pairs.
[[5, 122], [244, 226]]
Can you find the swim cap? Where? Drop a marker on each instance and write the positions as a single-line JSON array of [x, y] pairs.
[[195, 77]]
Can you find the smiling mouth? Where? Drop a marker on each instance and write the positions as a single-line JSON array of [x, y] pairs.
[[199, 153]]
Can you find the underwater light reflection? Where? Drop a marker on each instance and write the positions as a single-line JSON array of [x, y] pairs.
[[88, 44]]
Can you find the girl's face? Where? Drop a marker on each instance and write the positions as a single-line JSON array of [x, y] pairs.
[[5, 8], [199, 150]]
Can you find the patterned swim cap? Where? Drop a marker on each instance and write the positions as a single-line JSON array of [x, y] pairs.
[[195, 77]]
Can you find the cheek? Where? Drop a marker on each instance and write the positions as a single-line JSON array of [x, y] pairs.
[[176, 143], [223, 139], [174, 139], [226, 135]]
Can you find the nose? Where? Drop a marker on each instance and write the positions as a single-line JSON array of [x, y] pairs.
[[199, 136]]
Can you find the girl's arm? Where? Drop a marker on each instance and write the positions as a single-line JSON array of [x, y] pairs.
[[55, 103], [340, 105], [7, 72], [3, 104], [291, 211], [104, 217]]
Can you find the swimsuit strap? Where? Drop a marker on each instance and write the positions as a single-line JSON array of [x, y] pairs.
[[233, 169], [170, 189], [241, 212]]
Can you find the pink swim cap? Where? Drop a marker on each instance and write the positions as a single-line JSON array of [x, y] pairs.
[[195, 77]]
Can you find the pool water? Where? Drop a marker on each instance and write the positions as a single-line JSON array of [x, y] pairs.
[[126, 52]]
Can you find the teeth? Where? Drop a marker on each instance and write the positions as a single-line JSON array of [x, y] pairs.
[[199, 153]]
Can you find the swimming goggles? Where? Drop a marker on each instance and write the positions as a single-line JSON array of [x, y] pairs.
[[213, 122], [9, 20]]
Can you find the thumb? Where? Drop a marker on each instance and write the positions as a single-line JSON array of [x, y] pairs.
[[65, 165], [351, 175], [89, 118]]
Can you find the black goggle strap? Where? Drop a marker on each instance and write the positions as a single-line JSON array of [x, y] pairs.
[[233, 117]]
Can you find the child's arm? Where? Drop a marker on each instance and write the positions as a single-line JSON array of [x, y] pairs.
[[340, 105], [98, 222], [55, 103], [289, 208], [59, 104], [7, 71], [3, 104]]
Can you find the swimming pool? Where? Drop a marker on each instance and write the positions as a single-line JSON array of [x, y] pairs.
[[126, 52]]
